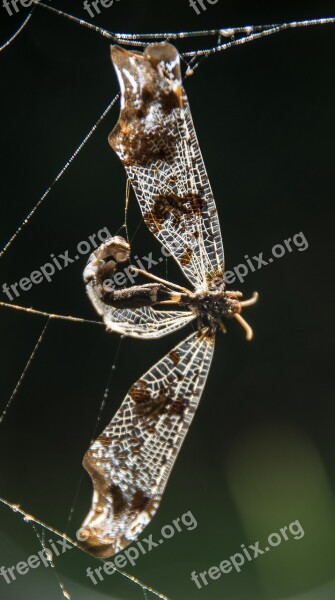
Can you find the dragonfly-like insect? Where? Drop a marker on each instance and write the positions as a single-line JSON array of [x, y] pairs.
[[131, 460]]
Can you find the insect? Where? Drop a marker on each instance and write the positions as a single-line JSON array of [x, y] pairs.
[[131, 460]]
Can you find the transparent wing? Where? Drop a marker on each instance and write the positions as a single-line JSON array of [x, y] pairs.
[[145, 323], [157, 143], [131, 460]]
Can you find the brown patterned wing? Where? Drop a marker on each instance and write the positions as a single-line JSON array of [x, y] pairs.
[[130, 462], [157, 143]]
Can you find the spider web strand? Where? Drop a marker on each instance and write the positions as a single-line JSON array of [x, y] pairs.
[[129, 38], [60, 174], [27, 517], [98, 419], [228, 31], [41, 313], [104, 32], [50, 560], [23, 374], [17, 32], [259, 34]]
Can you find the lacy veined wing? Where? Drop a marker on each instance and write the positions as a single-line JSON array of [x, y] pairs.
[[130, 462], [156, 141]]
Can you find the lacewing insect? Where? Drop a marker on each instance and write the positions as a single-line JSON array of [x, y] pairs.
[[130, 462]]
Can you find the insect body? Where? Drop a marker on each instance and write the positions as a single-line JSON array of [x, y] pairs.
[[208, 305]]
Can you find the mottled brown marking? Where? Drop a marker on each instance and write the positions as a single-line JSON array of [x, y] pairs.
[[186, 257], [139, 393], [171, 101], [148, 94], [139, 500], [104, 439], [119, 501], [155, 407], [178, 407], [208, 335], [164, 403], [132, 440], [122, 455], [175, 357], [137, 138], [166, 205], [215, 278], [135, 145], [148, 407]]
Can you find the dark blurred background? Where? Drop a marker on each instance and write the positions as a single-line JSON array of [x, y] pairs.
[[260, 452]]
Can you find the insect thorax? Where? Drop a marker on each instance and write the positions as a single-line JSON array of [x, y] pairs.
[[213, 306]]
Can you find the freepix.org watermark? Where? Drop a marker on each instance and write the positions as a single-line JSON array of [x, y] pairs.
[[236, 561], [132, 553], [14, 6], [254, 263], [47, 271], [298, 241], [57, 263], [93, 7], [200, 5], [43, 557], [46, 556]]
